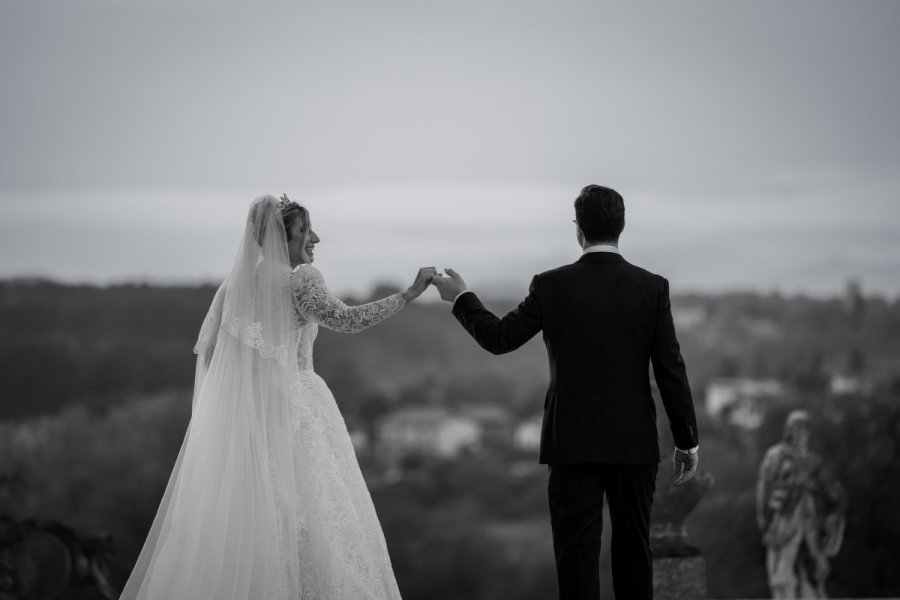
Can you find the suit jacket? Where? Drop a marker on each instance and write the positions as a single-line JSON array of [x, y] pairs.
[[604, 321]]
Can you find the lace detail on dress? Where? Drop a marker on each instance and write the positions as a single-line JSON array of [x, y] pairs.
[[341, 552], [315, 303], [251, 335]]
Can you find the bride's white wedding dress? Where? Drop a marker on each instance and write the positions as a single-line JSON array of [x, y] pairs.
[[266, 500], [342, 550]]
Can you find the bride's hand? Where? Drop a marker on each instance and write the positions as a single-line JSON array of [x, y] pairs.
[[423, 279]]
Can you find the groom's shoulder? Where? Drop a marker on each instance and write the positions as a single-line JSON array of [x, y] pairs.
[[646, 273], [561, 271], [650, 281], [557, 270], [578, 269]]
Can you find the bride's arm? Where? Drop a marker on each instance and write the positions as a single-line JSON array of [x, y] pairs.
[[317, 303]]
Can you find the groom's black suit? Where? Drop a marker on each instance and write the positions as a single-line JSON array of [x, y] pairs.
[[603, 321]]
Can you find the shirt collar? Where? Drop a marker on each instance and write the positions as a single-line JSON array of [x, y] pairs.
[[601, 248]]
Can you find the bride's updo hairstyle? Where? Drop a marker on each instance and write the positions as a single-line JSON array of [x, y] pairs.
[[600, 212], [290, 212]]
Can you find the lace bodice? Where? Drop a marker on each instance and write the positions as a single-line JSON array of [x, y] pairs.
[[314, 305]]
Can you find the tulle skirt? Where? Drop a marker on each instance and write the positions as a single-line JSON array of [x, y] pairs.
[[265, 505]]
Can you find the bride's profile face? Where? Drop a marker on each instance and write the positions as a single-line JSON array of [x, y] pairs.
[[303, 241]]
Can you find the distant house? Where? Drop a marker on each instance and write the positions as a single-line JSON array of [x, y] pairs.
[[527, 435], [762, 327], [495, 422], [848, 385], [742, 401], [359, 436], [360, 439], [688, 317], [428, 431]]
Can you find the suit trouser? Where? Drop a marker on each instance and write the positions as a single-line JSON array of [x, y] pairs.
[[576, 517]]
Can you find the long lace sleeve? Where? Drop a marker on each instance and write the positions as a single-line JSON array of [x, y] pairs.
[[316, 303]]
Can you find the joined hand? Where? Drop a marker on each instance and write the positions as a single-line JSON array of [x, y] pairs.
[[423, 278], [449, 287]]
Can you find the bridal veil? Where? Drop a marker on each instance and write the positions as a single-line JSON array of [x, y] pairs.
[[224, 528]]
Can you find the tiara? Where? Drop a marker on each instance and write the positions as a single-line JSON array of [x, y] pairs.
[[284, 202]]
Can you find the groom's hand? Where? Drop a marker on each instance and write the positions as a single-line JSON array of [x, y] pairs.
[[449, 287], [685, 465]]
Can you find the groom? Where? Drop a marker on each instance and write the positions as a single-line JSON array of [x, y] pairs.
[[604, 320]]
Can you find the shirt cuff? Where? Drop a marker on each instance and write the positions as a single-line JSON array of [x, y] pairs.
[[460, 294], [693, 450]]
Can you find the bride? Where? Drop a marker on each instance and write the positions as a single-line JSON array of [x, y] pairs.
[[266, 499]]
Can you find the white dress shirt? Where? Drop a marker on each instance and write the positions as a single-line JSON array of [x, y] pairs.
[[601, 248]]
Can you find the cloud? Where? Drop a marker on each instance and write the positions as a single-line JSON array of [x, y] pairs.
[[156, 96], [457, 130]]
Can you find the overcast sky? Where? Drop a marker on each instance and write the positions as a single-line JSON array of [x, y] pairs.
[[757, 144]]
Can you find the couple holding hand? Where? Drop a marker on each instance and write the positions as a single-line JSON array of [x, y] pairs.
[[267, 499]]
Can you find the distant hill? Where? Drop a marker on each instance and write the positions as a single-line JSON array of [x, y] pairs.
[[64, 344], [114, 367]]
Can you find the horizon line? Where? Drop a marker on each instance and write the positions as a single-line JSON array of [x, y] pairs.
[[494, 292]]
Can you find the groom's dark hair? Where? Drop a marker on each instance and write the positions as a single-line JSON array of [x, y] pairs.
[[600, 212]]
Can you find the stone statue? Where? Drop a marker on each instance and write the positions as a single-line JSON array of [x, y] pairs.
[[800, 512], [679, 569]]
